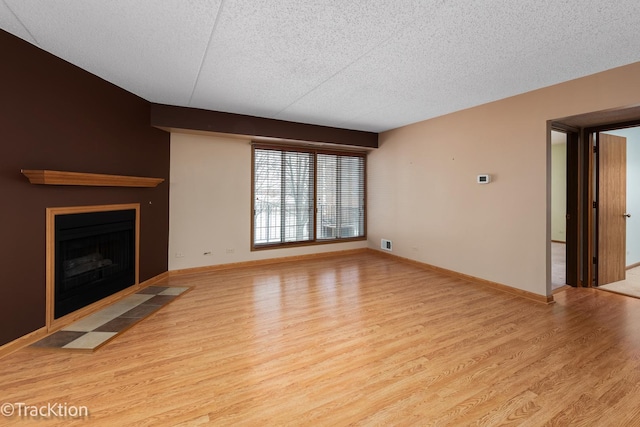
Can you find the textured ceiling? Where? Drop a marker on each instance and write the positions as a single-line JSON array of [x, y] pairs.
[[359, 64]]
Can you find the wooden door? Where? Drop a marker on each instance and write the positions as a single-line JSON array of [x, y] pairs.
[[612, 201]]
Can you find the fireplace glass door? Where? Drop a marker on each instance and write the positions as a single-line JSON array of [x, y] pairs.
[[94, 257]]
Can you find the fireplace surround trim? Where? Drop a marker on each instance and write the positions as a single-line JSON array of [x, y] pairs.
[[51, 322]]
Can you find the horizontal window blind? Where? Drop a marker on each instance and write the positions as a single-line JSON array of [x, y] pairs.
[[306, 196], [283, 196], [340, 196]]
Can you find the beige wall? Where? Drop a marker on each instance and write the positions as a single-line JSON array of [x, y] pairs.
[[422, 181], [210, 204]]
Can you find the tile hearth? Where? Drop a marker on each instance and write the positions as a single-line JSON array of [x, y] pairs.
[[97, 329]]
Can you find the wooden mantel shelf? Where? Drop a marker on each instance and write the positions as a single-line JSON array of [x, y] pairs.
[[48, 177]]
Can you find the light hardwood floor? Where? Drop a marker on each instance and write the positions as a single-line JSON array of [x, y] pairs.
[[357, 340]]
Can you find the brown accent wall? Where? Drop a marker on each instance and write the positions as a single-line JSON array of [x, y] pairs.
[[53, 115]]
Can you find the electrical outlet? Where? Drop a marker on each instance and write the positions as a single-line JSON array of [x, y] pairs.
[[385, 244], [231, 250], [179, 255]]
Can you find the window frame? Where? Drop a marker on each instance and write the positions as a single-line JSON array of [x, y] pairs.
[[313, 221]]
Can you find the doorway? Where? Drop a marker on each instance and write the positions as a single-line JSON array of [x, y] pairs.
[[583, 133], [558, 209]]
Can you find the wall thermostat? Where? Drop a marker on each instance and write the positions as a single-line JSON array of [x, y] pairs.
[[484, 179]]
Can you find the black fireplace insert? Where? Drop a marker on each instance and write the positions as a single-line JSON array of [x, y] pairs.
[[94, 257]]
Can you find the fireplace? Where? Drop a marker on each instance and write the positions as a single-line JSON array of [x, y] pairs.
[[92, 254]]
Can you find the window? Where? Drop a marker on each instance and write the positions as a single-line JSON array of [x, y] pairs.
[[306, 196]]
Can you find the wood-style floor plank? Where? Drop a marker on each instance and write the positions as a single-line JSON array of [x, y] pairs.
[[356, 340]]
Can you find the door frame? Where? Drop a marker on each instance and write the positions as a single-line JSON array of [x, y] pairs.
[[573, 236], [581, 186]]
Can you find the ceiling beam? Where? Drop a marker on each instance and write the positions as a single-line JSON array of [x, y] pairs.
[[170, 117]]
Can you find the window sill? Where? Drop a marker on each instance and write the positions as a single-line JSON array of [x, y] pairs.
[[268, 246]]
